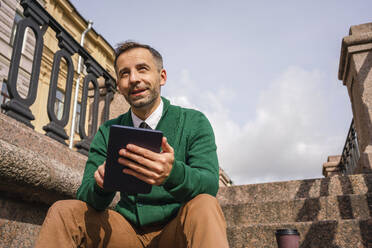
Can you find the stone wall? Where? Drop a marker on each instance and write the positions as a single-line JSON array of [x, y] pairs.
[[35, 171], [34, 167], [356, 74]]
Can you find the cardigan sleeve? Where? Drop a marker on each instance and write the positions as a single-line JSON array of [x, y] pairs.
[[89, 191], [199, 173]]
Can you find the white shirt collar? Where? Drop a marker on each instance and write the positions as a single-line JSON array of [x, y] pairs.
[[152, 120]]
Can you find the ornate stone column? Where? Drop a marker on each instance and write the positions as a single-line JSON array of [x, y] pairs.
[[356, 74]]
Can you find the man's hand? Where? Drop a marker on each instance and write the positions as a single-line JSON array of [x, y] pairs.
[[99, 174], [150, 167]]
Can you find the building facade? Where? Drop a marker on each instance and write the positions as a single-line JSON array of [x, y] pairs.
[[69, 18]]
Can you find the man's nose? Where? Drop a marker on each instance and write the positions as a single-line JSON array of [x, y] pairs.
[[133, 77]]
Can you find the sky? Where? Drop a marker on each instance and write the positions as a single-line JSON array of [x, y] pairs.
[[263, 72]]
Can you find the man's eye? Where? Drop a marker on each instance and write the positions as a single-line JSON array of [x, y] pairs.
[[124, 74]]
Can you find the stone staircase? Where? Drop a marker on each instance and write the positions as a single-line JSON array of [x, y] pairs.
[[328, 212], [331, 212]]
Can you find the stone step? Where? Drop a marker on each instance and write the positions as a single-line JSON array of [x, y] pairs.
[[327, 234], [300, 210], [342, 233], [288, 190], [19, 222], [16, 234]]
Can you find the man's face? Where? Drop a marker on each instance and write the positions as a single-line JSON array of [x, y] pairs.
[[139, 78]]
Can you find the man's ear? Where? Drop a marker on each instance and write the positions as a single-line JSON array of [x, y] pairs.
[[163, 77]]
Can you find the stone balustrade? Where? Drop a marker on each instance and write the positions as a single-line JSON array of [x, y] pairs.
[[356, 74], [39, 20]]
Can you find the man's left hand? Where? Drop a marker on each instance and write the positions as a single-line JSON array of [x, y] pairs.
[[148, 166]]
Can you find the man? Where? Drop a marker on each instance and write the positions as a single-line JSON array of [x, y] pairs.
[[181, 210]]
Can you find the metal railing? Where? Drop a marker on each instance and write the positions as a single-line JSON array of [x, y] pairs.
[[38, 20], [350, 154]]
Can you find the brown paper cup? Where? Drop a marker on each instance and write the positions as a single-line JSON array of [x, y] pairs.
[[287, 238]]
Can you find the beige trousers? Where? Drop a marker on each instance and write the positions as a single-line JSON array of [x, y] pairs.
[[73, 223]]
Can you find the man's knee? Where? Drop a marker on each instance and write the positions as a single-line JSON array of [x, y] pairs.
[[202, 211], [202, 200], [203, 204], [63, 206]]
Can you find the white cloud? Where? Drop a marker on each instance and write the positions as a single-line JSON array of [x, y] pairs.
[[289, 136]]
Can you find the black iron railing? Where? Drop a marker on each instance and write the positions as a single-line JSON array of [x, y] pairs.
[[38, 20], [350, 154]]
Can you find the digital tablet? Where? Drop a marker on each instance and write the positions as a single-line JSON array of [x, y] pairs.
[[120, 136]]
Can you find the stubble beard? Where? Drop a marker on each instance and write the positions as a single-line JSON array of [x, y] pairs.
[[144, 102]]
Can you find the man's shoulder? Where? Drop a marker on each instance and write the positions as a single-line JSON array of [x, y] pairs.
[[193, 119], [189, 112]]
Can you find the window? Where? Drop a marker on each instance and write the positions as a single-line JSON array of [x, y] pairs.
[[59, 103], [77, 119], [17, 18], [4, 95]]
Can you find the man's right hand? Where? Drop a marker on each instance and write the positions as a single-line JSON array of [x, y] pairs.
[[99, 175]]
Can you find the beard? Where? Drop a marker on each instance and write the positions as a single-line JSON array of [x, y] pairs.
[[143, 101]]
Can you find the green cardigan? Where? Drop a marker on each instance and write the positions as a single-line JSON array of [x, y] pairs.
[[195, 169]]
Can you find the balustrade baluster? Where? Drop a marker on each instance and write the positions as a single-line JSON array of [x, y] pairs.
[[350, 154], [55, 129], [86, 139], [39, 20], [19, 107]]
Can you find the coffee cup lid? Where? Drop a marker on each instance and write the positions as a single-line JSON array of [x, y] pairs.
[[286, 232]]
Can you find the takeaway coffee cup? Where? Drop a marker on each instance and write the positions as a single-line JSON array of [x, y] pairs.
[[287, 238]]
